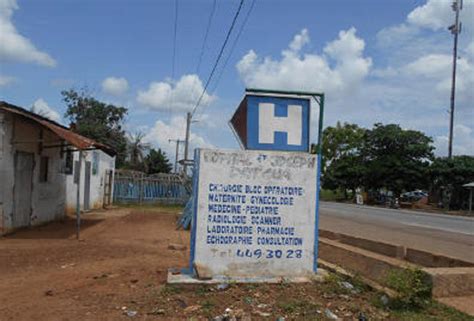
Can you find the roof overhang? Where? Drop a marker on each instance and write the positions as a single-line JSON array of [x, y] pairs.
[[76, 140]]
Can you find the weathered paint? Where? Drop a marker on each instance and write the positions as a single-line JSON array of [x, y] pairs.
[[255, 213], [50, 199], [97, 180]]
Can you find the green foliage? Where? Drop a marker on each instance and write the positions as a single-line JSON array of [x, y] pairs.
[[208, 307], [398, 159], [433, 311], [201, 291], [331, 195], [97, 120], [157, 162], [302, 307], [385, 156], [413, 287], [448, 177], [342, 158], [171, 289]]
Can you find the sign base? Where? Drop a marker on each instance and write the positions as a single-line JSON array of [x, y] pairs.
[[187, 278]]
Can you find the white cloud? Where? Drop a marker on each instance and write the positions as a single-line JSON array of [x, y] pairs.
[[437, 68], [41, 107], [300, 40], [177, 97], [15, 47], [6, 80], [396, 34], [434, 15], [340, 68], [429, 65], [413, 86], [438, 14], [160, 134], [115, 86], [463, 141]]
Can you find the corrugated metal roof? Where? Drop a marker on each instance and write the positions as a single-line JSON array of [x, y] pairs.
[[65, 133]]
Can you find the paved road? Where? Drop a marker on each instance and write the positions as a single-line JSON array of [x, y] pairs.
[[448, 235]]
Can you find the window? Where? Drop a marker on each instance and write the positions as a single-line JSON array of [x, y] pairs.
[[69, 163], [95, 163], [43, 170]]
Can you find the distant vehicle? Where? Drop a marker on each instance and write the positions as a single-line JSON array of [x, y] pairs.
[[413, 196]]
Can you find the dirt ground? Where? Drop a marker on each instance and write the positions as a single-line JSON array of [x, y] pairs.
[[118, 272]]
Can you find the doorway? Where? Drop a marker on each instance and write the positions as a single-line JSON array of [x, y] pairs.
[[23, 188]]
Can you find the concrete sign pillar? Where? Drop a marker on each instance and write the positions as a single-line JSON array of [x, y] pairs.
[[255, 214]]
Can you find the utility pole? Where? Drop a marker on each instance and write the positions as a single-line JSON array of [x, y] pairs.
[[177, 141], [455, 30], [186, 142]]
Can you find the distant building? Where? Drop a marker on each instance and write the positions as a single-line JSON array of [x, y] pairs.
[[39, 161]]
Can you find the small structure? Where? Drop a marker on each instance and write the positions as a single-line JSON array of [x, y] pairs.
[[470, 186], [39, 166]]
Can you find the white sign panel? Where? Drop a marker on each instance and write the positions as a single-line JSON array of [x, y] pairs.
[[255, 213]]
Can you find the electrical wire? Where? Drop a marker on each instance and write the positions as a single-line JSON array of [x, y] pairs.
[[219, 56], [175, 32], [173, 63], [209, 22], [201, 54], [236, 40]]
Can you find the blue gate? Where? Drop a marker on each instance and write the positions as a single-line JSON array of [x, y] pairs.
[[134, 187]]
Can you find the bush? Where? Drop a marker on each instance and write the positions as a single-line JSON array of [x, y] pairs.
[[413, 287]]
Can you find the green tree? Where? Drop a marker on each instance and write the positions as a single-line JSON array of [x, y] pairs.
[[448, 177], [396, 159], [342, 165], [157, 162], [97, 120]]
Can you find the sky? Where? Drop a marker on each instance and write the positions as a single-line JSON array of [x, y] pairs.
[[376, 61]]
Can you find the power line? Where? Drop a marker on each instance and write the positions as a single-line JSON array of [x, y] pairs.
[[201, 54], [173, 63], [219, 56], [236, 40], [209, 22], [174, 38]]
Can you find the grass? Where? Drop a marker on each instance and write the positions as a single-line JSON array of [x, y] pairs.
[[414, 300], [170, 289], [413, 287], [432, 311], [299, 306], [208, 307], [329, 195], [201, 291]]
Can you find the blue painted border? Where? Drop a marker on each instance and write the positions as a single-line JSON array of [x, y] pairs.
[[316, 222], [197, 155], [281, 110]]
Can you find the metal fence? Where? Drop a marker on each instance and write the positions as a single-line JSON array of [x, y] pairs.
[[136, 187]]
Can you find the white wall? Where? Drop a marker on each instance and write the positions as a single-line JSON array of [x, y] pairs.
[[97, 182], [48, 198], [51, 199]]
